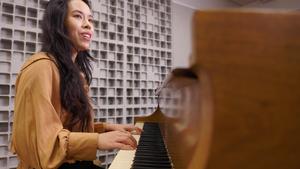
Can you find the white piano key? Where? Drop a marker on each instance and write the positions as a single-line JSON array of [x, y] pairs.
[[124, 158]]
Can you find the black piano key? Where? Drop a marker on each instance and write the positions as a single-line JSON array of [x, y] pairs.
[[151, 144], [147, 167], [151, 152], [151, 165], [152, 158]]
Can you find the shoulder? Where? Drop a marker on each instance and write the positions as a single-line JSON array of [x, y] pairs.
[[39, 72], [39, 61], [39, 68]]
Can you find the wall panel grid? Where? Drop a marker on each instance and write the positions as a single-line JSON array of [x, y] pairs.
[[132, 47]]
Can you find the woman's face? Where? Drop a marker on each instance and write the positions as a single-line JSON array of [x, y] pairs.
[[79, 23]]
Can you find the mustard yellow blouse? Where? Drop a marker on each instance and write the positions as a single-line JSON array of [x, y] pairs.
[[38, 138]]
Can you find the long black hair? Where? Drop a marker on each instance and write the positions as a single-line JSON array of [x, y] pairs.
[[55, 41]]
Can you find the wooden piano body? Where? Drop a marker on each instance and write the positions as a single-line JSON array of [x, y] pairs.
[[242, 111]]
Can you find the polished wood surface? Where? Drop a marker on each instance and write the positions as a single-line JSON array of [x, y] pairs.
[[239, 109], [252, 58]]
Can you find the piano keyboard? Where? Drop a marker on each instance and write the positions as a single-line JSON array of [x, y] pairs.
[[150, 153]]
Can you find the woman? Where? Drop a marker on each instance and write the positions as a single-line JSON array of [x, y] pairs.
[[53, 120]]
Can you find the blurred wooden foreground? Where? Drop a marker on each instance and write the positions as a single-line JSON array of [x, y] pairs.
[[244, 110], [238, 105], [253, 61]]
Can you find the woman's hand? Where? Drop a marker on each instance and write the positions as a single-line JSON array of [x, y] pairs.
[[123, 127], [116, 140]]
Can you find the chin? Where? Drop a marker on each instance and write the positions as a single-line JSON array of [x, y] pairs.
[[83, 48]]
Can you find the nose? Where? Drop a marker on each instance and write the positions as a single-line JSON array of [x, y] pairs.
[[87, 24]]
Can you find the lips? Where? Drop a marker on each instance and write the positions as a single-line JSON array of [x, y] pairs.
[[86, 35]]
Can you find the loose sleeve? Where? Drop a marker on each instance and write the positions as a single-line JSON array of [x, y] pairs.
[[99, 127], [38, 135]]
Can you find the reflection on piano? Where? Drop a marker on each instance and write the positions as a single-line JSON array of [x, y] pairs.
[[237, 106]]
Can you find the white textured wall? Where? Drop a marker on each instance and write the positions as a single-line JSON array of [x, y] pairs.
[[181, 33], [182, 12]]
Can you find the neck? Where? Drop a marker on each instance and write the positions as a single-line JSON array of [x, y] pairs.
[[74, 55]]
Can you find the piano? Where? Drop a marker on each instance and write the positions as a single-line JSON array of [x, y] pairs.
[[236, 106]]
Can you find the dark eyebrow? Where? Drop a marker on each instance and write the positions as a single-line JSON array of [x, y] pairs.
[[90, 15]]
